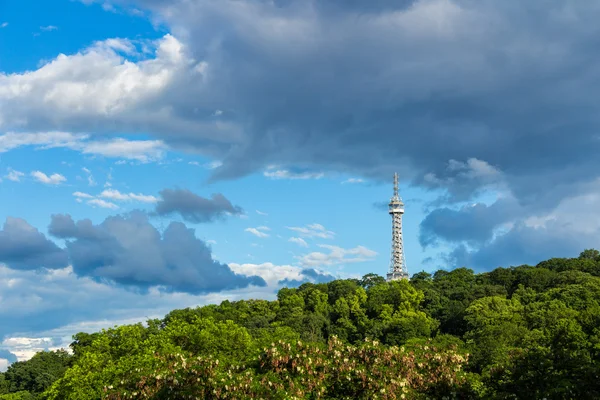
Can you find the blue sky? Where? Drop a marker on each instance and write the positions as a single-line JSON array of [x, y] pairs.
[[163, 154]]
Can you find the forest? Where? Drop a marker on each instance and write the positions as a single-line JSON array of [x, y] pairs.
[[524, 332]]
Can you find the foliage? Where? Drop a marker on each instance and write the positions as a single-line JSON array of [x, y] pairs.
[[21, 395], [308, 371], [24, 379], [530, 331]]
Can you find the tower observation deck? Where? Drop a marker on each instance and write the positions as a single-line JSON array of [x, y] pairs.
[[398, 262]]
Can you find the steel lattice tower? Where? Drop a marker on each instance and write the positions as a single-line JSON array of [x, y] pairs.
[[398, 262]]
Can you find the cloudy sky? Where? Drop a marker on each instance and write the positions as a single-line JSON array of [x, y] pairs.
[[161, 154]]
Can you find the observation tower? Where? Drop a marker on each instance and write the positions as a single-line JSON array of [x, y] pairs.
[[398, 262]]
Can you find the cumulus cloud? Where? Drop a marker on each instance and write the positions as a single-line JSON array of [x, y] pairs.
[[139, 150], [103, 204], [54, 179], [457, 96], [309, 275], [299, 241], [463, 180], [24, 247], [128, 250], [114, 194], [313, 231], [337, 255], [472, 223], [275, 173], [277, 275], [14, 175], [259, 231], [83, 195], [113, 95], [411, 116], [563, 232], [193, 208], [391, 110]]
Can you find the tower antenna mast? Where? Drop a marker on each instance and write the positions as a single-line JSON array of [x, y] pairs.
[[398, 268]]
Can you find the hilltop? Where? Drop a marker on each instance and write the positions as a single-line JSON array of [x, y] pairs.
[[518, 332]]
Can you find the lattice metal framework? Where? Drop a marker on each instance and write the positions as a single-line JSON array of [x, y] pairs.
[[398, 262]]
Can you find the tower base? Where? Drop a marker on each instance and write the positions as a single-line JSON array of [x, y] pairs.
[[396, 276]]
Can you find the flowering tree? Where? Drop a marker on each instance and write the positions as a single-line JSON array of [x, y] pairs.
[[306, 371]]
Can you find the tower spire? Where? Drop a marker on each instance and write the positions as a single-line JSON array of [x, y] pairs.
[[398, 268]]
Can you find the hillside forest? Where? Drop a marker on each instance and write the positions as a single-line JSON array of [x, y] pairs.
[[525, 332]]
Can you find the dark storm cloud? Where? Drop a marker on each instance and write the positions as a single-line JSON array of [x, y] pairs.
[[373, 87], [128, 250], [456, 95], [193, 208], [524, 245], [473, 223], [23, 247]]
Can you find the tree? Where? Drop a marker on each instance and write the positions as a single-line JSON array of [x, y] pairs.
[[370, 280], [38, 373], [590, 254]]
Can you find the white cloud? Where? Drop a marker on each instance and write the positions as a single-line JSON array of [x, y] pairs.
[[337, 255], [273, 274], [14, 175], [270, 272], [259, 231], [213, 164], [109, 178], [99, 86], [90, 177], [299, 241], [114, 194], [264, 214], [82, 195], [138, 150], [274, 173], [4, 25], [353, 180], [48, 28], [43, 140], [144, 198], [313, 231], [25, 348], [103, 204], [54, 179]]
